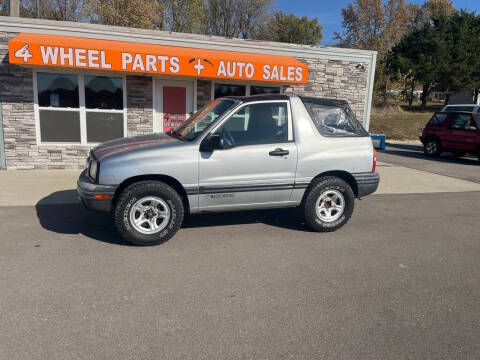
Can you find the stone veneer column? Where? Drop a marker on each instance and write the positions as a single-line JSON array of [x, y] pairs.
[[204, 93], [139, 105]]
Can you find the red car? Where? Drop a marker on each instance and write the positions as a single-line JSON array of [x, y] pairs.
[[458, 132]]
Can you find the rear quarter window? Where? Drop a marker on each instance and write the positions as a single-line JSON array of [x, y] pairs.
[[437, 119], [334, 121]]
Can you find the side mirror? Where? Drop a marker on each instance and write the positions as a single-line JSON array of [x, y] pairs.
[[212, 142]]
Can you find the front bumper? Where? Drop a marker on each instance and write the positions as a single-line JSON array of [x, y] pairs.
[[86, 190], [367, 183], [422, 139]]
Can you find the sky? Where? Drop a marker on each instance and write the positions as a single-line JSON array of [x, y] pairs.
[[329, 15]]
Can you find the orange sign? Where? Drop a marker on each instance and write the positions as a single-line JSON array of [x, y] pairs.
[[107, 55]]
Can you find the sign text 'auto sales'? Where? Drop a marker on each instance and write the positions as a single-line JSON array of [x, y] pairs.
[[107, 55]]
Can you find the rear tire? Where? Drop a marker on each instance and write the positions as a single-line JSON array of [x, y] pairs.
[[328, 204], [432, 147], [148, 213]]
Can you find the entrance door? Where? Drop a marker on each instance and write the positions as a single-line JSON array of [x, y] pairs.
[[173, 103]]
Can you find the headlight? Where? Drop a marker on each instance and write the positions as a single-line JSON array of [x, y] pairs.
[[93, 169]]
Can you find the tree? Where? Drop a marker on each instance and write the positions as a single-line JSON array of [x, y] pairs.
[[61, 10], [289, 28], [375, 25], [236, 18], [184, 15], [147, 14], [459, 69], [3, 8]]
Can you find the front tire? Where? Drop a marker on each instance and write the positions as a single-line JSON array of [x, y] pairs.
[[328, 204], [432, 147], [148, 213]]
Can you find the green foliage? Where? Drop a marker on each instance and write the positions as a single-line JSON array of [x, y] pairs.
[[441, 53], [289, 28]]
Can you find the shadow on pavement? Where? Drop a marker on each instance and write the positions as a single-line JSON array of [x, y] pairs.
[[416, 151], [67, 217]]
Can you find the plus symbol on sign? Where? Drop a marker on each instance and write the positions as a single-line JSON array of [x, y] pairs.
[[199, 67]]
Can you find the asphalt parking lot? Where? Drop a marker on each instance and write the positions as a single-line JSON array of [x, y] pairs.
[[400, 281]]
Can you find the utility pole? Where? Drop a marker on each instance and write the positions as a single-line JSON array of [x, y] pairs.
[[13, 8]]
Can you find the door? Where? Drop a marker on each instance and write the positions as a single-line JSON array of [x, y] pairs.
[[173, 103], [257, 163], [462, 132]]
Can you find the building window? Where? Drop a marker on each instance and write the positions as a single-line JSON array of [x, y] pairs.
[[257, 90], [79, 109], [229, 90], [219, 90]]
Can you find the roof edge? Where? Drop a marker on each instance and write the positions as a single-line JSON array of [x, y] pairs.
[[87, 30]]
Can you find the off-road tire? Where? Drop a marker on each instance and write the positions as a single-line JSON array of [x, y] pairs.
[[435, 142], [137, 191], [318, 187]]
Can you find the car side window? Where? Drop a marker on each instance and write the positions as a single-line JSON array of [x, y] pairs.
[[256, 124], [462, 122], [331, 120], [437, 119]]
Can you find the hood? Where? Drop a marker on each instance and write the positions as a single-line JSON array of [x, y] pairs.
[[132, 144]]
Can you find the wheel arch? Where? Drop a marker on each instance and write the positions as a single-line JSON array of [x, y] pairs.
[[169, 180], [433, 136], [341, 174]]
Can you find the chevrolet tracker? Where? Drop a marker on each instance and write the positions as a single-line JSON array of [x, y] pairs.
[[238, 153]]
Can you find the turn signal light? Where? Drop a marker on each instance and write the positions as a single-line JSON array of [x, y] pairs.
[[374, 160], [101, 196]]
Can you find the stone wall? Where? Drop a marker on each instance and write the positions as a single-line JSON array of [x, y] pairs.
[[204, 93], [335, 79], [21, 149], [139, 105]]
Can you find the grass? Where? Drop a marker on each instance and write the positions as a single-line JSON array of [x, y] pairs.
[[398, 122]]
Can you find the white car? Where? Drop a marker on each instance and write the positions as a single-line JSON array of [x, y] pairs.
[[461, 107]]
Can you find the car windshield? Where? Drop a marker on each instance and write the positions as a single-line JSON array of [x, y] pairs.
[[194, 126]]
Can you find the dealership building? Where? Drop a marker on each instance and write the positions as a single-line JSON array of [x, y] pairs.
[[65, 87]]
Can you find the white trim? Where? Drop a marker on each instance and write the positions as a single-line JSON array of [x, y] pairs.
[[369, 91], [35, 109], [195, 94], [190, 100], [82, 110], [83, 115], [154, 104]]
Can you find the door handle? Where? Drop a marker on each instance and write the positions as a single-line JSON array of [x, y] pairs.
[[278, 152]]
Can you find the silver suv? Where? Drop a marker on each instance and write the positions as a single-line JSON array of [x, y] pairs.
[[237, 153]]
